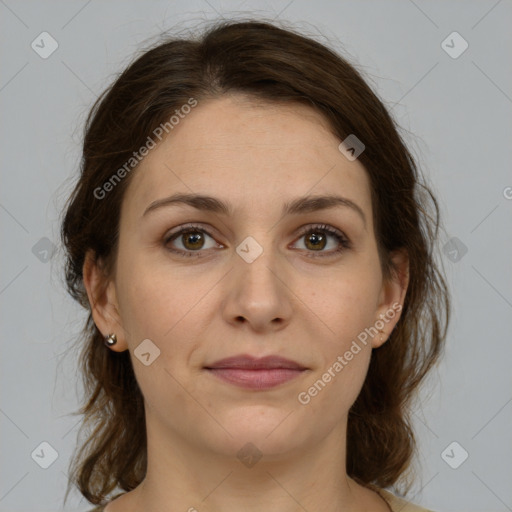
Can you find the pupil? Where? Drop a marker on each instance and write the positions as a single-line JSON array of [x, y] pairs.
[[316, 239], [194, 238]]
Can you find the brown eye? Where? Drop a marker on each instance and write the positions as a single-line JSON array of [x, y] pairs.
[[192, 240], [189, 241], [316, 241]]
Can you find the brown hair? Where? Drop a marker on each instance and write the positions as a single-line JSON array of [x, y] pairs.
[[272, 64]]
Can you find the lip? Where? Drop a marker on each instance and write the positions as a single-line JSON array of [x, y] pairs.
[[256, 373], [248, 362]]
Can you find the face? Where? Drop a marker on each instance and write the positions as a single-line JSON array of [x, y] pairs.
[[260, 279]]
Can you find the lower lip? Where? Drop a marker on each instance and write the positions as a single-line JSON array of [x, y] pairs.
[[255, 379]]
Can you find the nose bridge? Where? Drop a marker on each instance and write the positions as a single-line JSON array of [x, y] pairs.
[[258, 292], [258, 262]]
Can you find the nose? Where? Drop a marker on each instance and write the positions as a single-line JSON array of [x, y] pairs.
[[258, 293]]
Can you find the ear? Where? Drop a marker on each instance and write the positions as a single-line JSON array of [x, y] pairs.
[[392, 296], [102, 298]]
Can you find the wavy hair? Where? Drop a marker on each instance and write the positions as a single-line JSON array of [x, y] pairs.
[[269, 63]]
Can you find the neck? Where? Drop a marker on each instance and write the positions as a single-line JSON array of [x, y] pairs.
[[182, 476]]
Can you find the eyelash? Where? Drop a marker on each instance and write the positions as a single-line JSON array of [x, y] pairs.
[[344, 242]]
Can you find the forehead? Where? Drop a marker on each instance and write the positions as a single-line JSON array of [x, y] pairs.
[[254, 155]]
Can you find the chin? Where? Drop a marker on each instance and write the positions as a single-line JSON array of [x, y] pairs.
[[270, 430]]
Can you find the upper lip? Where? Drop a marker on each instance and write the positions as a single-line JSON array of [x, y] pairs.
[[248, 362]]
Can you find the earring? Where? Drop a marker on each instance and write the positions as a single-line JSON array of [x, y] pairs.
[[110, 340]]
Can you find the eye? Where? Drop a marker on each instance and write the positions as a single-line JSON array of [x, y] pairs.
[[192, 240], [316, 239]]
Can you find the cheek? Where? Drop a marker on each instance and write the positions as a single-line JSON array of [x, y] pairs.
[[345, 357], [156, 309], [349, 311], [153, 297], [336, 386], [164, 305], [349, 303]]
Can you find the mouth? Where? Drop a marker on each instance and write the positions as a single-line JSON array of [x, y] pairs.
[[259, 374]]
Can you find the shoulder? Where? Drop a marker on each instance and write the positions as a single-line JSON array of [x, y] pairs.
[[101, 508], [396, 504], [399, 504]]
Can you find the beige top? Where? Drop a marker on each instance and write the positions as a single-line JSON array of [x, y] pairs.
[[399, 504], [395, 503]]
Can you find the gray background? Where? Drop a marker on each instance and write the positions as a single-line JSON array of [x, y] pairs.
[[455, 114]]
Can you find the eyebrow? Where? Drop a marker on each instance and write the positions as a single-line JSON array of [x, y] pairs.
[[301, 205]]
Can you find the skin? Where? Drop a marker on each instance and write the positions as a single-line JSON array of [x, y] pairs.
[[201, 309]]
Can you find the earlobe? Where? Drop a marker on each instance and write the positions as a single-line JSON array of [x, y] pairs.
[[392, 297], [103, 301]]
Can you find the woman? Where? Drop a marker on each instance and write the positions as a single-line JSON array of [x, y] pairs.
[[251, 238]]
